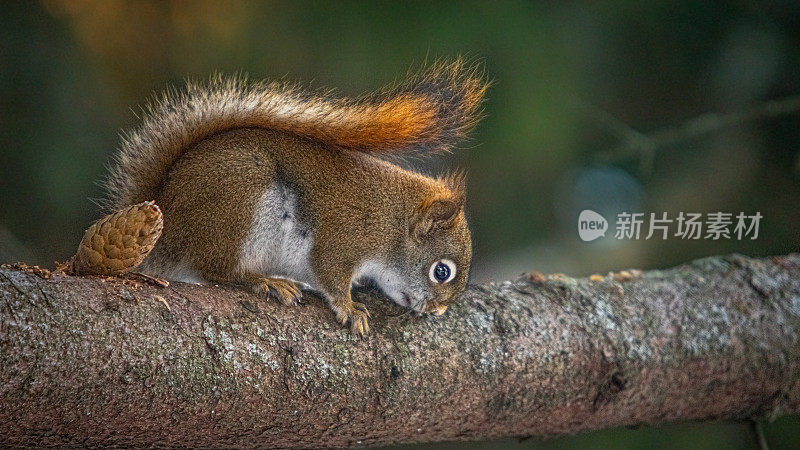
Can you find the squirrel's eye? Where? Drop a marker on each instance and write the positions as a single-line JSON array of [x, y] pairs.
[[442, 271]]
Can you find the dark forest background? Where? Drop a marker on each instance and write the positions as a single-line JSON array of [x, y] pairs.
[[582, 92]]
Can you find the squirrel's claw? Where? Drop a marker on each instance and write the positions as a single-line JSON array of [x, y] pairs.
[[285, 291], [361, 307], [359, 319], [358, 316]]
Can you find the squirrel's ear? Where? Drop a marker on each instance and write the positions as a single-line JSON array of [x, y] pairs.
[[440, 211], [456, 182], [437, 213]]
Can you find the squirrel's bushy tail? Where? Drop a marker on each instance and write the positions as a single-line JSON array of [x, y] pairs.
[[431, 110]]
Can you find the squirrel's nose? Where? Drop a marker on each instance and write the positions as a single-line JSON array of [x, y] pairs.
[[437, 310]]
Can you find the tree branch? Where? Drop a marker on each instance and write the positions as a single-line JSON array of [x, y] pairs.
[[645, 145], [90, 361]]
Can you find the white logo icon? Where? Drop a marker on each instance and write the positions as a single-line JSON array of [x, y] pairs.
[[591, 225]]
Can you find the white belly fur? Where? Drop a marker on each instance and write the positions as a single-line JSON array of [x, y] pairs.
[[277, 243]]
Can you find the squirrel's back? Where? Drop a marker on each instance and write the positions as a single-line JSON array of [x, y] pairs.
[[429, 111]]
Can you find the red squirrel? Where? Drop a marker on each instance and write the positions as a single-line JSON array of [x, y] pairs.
[[283, 190]]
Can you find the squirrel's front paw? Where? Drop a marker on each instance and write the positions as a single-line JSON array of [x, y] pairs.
[[286, 291], [358, 316]]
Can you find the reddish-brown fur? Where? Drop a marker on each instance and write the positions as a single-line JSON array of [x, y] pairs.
[[206, 162]]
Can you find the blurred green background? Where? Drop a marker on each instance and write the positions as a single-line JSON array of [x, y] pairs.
[[573, 82]]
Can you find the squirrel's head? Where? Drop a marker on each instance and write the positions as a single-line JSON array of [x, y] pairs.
[[438, 250]]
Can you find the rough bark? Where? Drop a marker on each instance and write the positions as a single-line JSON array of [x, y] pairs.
[[89, 360]]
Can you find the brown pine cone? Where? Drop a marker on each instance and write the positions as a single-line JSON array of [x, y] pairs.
[[119, 242]]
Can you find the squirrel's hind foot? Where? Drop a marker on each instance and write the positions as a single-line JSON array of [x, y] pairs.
[[284, 290]]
